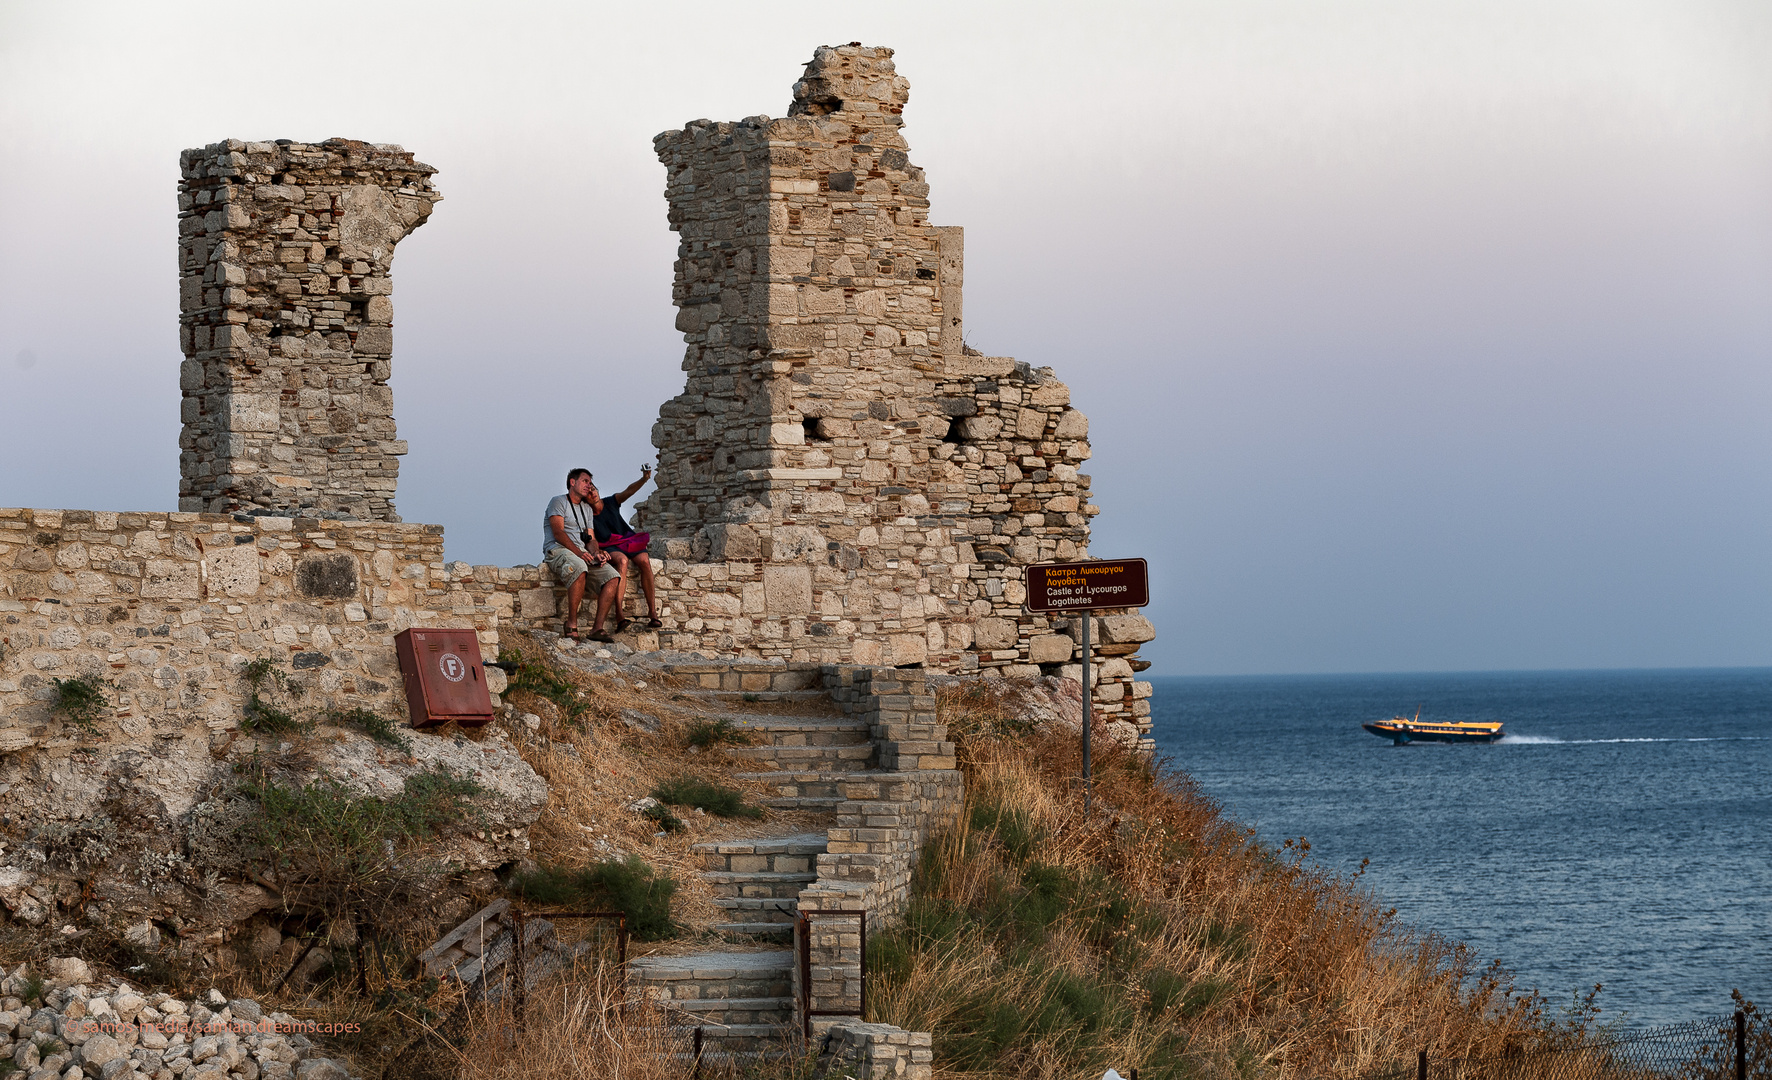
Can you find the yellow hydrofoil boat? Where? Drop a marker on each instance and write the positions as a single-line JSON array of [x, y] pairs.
[[1401, 729]]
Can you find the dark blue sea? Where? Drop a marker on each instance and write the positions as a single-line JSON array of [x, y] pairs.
[[1620, 833]]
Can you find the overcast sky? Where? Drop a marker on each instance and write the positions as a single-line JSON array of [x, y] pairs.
[[1413, 336]]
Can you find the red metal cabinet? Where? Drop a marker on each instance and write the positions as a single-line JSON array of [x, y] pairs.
[[444, 677]]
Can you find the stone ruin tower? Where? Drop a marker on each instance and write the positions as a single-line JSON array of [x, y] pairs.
[[286, 322], [843, 479]]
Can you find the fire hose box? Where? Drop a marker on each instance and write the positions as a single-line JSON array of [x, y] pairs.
[[444, 677]]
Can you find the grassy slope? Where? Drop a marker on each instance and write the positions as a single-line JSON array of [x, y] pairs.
[[1156, 934]]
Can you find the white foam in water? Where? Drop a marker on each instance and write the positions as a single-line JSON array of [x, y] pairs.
[[1534, 740]]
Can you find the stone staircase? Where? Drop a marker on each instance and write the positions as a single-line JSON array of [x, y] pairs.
[[859, 752], [743, 1001], [758, 882], [803, 758]]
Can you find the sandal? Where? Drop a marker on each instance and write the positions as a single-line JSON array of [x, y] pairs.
[[569, 631], [622, 624], [599, 635], [655, 622]]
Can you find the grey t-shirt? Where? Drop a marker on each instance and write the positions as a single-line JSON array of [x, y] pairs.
[[577, 516]]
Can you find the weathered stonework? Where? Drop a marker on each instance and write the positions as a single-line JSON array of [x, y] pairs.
[[167, 609], [842, 479], [286, 324]]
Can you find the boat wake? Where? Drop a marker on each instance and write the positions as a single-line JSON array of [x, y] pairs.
[[1534, 740]]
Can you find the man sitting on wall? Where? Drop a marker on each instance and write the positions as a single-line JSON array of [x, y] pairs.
[[626, 548], [569, 547]]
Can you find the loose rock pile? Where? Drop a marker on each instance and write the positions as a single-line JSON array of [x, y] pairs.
[[110, 1031]]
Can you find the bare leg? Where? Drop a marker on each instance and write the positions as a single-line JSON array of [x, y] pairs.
[[575, 594], [645, 563], [606, 596], [619, 560]]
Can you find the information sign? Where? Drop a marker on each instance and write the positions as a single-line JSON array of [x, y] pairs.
[[1096, 585], [1088, 586]]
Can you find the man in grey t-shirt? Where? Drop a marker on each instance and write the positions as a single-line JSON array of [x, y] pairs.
[[569, 547]]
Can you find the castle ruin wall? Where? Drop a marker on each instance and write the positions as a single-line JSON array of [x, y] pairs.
[[843, 479], [286, 323]]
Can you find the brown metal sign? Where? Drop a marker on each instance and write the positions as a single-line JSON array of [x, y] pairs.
[[443, 677], [1088, 586]]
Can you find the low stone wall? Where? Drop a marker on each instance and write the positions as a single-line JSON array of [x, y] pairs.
[[881, 826], [169, 607], [876, 1052]]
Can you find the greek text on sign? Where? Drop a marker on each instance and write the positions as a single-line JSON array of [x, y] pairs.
[[1088, 586]]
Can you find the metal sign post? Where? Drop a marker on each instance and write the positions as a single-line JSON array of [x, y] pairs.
[[1087, 587], [1088, 717]]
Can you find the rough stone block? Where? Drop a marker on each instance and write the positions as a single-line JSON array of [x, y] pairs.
[[1050, 649], [996, 633], [787, 590], [1126, 630]]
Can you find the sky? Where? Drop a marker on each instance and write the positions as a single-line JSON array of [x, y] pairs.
[[1413, 336]]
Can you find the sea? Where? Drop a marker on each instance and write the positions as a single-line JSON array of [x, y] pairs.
[[1620, 833]]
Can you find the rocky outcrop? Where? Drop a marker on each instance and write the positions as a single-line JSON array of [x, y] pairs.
[[148, 840]]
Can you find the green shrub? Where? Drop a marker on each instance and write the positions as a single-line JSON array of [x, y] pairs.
[[33, 989], [81, 701], [667, 821], [263, 717], [707, 734], [693, 791], [258, 673], [372, 724], [626, 885], [344, 853], [536, 678]]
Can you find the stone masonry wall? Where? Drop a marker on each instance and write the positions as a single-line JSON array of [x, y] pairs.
[[167, 609], [882, 823], [169, 606], [842, 479], [286, 322]]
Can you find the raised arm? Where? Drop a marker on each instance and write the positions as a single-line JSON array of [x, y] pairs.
[[628, 492]]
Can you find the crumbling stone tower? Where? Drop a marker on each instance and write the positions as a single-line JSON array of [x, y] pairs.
[[842, 478], [286, 317]]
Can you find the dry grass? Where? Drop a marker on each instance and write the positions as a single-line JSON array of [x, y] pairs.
[[588, 1027], [1157, 934], [596, 770]]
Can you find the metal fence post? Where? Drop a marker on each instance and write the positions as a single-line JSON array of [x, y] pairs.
[[1421, 1065], [1088, 719], [520, 987], [1740, 1045]]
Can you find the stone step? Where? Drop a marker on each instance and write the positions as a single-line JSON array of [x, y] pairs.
[[799, 785], [731, 1011], [759, 909], [854, 757], [746, 1040], [816, 804], [757, 931], [703, 976], [758, 884], [745, 678], [764, 697], [793, 854], [804, 730]]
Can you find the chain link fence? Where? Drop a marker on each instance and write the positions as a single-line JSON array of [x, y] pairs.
[[1733, 1047]]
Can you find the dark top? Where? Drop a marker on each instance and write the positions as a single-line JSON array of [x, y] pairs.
[[609, 522]]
